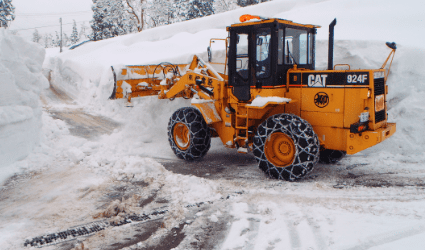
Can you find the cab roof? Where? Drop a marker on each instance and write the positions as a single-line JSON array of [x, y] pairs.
[[247, 21]]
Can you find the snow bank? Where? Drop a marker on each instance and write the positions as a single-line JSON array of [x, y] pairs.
[[386, 20], [21, 82]]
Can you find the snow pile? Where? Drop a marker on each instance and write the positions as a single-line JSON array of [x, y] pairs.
[[261, 101], [21, 82]]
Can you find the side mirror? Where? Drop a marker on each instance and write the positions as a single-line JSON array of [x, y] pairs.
[[209, 54]]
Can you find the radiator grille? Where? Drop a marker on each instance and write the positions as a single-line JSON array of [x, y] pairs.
[[380, 116], [379, 85]]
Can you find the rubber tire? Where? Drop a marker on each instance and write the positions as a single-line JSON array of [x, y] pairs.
[[200, 138], [305, 140], [329, 156]]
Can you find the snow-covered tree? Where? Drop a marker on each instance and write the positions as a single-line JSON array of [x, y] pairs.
[[74, 35], [82, 36], [97, 22], [66, 41], [110, 19], [137, 8], [225, 5], [7, 13], [161, 12], [36, 36], [244, 3], [191, 9], [57, 41], [200, 8], [48, 41]]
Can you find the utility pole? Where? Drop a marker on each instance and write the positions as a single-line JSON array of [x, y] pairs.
[[60, 20]]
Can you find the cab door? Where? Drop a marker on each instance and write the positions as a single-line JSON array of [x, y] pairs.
[[250, 60], [241, 78]]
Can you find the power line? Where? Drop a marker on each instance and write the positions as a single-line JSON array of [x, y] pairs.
[[53, 14], [49, 26]]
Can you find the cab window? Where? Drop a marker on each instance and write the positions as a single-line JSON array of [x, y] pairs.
[[263, 58], [297, 47], [242, 58]]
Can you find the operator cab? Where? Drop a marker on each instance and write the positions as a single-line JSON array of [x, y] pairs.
[[261, 52]]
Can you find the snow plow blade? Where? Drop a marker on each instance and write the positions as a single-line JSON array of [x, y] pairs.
[[142, 80]]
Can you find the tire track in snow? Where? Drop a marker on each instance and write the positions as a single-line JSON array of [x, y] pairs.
[[244, 229], [294, 236], [381, 239], [317, 232]]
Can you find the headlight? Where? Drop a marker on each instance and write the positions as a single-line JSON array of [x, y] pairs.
[[379, 103]]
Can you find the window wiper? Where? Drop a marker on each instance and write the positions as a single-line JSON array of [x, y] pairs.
[[289, 52]]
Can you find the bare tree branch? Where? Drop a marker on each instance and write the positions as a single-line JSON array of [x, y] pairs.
[[132, 12]]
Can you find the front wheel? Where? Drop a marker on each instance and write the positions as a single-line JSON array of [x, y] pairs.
[[286, 147], [188, 134]]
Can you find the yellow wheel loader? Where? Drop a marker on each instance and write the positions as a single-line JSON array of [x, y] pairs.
[[269, 99]]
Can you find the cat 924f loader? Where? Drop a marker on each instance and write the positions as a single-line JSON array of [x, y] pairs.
[[269, 99]]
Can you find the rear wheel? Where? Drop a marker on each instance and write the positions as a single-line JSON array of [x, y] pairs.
[[286, 147], [188, 134]]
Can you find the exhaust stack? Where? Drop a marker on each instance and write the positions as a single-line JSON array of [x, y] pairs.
[[331, 45]]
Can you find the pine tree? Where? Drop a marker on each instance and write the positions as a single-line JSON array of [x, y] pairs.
[[36, 36], [7, 13], [74, 34], [117, 17], [97, 22]]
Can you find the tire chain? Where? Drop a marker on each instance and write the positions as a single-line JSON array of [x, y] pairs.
[[91, 228], [305, 140], [199, 131]]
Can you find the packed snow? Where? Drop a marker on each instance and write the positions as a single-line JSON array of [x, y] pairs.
[[57, 176]]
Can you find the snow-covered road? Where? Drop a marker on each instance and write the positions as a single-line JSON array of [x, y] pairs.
[[366, 201]]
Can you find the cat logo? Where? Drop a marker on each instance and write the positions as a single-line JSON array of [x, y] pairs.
[[317, 80], [321, 99]]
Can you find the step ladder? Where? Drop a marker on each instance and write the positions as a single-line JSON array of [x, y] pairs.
[[241, 126]]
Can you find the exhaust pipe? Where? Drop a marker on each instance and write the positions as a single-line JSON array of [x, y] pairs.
[[331, 45]]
